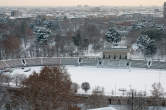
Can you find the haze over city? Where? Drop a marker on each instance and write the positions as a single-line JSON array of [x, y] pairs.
[[82, 54], [81, 2]]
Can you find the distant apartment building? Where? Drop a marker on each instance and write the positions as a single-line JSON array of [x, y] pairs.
[[164, 13], [15, 13]]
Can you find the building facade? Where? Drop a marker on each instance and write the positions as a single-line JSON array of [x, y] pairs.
[[15, 13], [116, 54]]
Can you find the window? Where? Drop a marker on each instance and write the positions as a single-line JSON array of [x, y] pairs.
[[114, 57], [126, 57], [120, 57], [103, 56]]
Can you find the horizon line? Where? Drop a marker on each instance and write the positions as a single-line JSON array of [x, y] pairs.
[[82, 5]]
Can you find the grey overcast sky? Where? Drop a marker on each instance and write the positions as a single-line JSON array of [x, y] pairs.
[[81, 2]]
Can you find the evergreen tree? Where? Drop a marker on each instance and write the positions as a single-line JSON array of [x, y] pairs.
[[112, 36], [42, 35], [77, 39], [146, 45], [85, 86], [155, 34]]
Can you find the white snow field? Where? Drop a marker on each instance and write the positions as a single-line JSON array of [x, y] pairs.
[[112, 79], [27, 70], [115, 79], [105, 108]]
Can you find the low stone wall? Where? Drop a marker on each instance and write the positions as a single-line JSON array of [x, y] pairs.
[[86, 61]]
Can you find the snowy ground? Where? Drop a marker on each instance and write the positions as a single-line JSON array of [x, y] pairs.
[[115, 79], [111, 79], [125, 107], [27, 70], [106, 108]]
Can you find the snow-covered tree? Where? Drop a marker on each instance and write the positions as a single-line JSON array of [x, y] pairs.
[[146, 45], [157, 90], [154, 33], [112, 36], [42, 35], [85, 86]]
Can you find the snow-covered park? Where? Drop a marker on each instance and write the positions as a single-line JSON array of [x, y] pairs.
[[112, 79]]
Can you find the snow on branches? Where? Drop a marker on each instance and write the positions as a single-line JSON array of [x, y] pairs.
[[112, 36], [42, 35], [146, 45]]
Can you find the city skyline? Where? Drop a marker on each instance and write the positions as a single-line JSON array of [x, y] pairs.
[[81, 2]]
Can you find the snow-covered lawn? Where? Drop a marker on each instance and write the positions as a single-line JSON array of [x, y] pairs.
[[27, 70], [115, 79], [106, 108], [125, 107], [111, 79]]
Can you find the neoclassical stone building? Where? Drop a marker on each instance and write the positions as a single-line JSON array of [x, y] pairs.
[[119, 52], [116, 53]]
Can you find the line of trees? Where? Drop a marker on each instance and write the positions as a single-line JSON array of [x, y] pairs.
[[41, 37]]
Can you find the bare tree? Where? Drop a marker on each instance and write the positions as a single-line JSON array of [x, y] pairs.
[[11, 46], [157, 90], [97, 99], [18, 78], [2, 78], [75, 87], [8, 79]]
